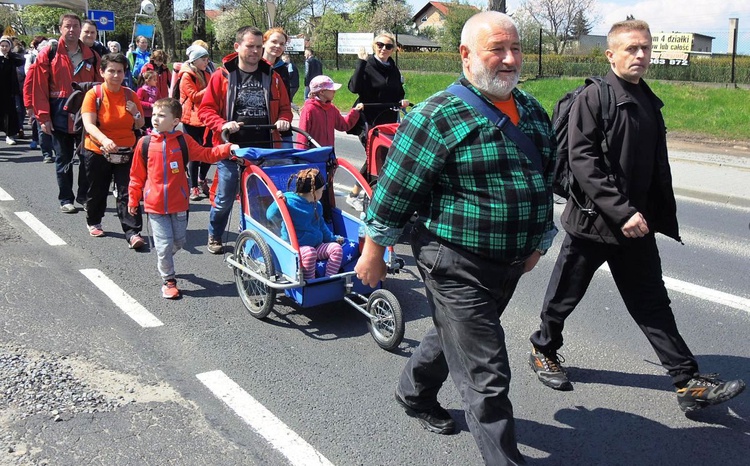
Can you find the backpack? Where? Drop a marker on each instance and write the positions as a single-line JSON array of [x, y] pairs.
[[563, 177], [146, 140], [75, 101]]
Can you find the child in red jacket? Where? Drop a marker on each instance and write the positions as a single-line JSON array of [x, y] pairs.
[[160, 178], [319, 117]]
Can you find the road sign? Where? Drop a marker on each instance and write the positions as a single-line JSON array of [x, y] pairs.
[[105, 20]]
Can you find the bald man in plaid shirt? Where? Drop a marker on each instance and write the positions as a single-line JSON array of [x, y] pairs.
[[485, 218]]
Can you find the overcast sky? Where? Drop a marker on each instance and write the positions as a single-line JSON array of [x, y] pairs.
[[710, 18]]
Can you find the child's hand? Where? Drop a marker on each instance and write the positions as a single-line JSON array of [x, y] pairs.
[[279, 195], [132, 210], [359, 107]]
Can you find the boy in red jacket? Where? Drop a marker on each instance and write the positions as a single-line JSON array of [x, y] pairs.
[[160, 178]]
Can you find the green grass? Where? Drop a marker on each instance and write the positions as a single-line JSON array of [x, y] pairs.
[[699, 110]]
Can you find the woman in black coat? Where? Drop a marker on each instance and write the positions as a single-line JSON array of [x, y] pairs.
[[9, 62]]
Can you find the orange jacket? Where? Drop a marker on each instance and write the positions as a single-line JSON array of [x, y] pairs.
[[52, 83], [191, 94], [163, 184], [217, 106]]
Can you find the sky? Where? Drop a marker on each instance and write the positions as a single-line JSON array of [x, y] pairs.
[[710, 18]]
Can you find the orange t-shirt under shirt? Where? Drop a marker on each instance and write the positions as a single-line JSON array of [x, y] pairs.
[[114, 120], [508, 107]]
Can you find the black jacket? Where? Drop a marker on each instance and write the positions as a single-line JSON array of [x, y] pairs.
[[605, 187], [313, 67], [377, 83]]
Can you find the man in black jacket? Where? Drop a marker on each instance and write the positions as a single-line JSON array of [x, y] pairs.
[[628, 199], [313, 67]]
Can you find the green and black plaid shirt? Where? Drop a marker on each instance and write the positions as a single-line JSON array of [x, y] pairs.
[[469, 183]]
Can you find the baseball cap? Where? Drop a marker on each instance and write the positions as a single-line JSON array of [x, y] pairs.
[[323, 83]]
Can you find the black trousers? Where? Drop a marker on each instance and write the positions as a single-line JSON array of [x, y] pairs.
[[467, 295], [100, 173], [198, 170], [636, 269]]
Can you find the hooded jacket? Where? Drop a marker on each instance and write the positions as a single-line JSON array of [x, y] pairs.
[[53, 83], [606, 187], [163, 78], [217, 106], [191, 94], [163, 184], [307, 218]]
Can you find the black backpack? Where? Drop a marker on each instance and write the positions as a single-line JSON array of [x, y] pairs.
[[563, 177]]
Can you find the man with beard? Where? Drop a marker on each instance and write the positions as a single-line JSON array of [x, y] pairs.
[[484, 219]]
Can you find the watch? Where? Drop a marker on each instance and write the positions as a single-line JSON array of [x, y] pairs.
[[137, 115]]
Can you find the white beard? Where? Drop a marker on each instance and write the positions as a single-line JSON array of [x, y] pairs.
[[491, 82]]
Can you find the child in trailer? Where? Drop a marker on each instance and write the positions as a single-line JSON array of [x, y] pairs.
[[319, 117], [313, 235], [159, 176]]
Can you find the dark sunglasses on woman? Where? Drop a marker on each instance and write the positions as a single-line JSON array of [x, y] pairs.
[[382, 45]]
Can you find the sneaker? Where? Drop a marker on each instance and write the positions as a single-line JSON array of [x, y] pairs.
[[169, 290], [33, 145], [68, 208], [96, 230], [355, 202], [10, 140], [136, 242], [706, 390], [214, 246], [435, 419], [204, 187], [48, 159], [548, 370], [195, 194]]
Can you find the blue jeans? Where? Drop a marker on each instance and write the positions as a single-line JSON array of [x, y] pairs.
[[467, 295], [169, 237], [64, 145], [226, 192]]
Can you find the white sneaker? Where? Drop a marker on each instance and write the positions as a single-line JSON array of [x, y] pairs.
[[355, 202], [10, 141]]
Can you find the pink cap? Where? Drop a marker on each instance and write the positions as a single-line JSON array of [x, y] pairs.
[[323, 83]]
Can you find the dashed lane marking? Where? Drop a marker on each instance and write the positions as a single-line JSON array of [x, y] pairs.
[[281, 437], [709, 294], [124, 301], [4, 196], [40, 229]]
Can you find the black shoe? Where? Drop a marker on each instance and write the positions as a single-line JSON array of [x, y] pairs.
[[548, 370], [436, 419], [706, 390]]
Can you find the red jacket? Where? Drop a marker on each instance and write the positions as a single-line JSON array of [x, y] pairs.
[[163, 78], [164, 184], [191, 94], [217, 106], [321, 119], [52, 83]]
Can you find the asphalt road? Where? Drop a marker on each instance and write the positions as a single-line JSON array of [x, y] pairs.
[[318, 372]]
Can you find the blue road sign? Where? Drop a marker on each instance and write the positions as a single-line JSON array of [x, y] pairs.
[[105, 20]]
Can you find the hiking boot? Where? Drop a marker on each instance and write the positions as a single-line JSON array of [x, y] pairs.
[[68, 208], [9, 140], [214, 246], [136, 242], [195, 194], [96, 230], [706, 390], [204, 187], [169, 290], [548, 370], [436, 419]]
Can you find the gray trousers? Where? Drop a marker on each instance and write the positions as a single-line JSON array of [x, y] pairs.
[[467, 295], [169, 237]]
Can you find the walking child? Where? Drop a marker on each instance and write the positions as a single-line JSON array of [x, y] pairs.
[[148, 94], [159, 177], [313, 235], [319, 117]]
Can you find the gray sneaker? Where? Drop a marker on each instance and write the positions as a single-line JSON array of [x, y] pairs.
[[68, 208], [215, 246]]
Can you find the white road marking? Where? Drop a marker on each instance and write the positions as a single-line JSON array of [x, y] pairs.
[[124, 301], [281, 437], [709, 294], [40, 229], [4, 196]]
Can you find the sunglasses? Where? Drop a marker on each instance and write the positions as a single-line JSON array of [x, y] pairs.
[[384, 46]]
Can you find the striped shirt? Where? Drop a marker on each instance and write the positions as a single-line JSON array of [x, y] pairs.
[[470, 185]]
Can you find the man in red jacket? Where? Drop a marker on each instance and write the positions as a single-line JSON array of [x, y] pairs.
[[57, 67], [245, 93]]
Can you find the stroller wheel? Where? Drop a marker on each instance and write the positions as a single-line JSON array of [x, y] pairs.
[[253, 252], [386, 322]]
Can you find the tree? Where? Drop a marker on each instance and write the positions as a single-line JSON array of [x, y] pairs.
[[580, 26], [199, 19], [391, 15], [557, 18], [497, 5], [450, 36]]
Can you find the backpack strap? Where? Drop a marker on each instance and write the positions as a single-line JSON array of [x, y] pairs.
[[146, 140], [502, 121]]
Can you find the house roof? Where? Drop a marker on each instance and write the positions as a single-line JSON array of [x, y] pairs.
[[440, 6], [213, 14], [407, 40]]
